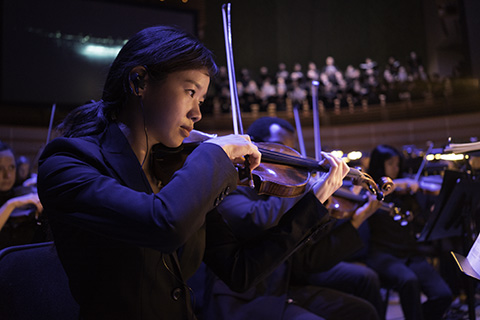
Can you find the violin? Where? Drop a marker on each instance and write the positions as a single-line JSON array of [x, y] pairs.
[[343, 204], [274, 153], [282, 173], [427, 185]]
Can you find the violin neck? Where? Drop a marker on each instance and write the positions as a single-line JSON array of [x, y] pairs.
[[307, 163], [387, 206], [291, 160], [349, 195]]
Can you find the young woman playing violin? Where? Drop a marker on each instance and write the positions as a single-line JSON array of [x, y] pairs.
[[128, 241], [394, 252]]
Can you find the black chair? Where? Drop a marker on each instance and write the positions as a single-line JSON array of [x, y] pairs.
[[33, 284]]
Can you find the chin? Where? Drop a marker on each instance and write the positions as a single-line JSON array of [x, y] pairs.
[[5, 189], [174, 143]]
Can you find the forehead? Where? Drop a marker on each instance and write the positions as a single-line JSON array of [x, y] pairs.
[[199, 76], [393, 159], [6, 156]]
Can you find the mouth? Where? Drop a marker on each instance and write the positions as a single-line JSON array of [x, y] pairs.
[[187, 131]]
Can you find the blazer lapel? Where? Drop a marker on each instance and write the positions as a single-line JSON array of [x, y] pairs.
[[120, 157]]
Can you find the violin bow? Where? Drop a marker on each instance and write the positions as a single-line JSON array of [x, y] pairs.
[[298, 126], [316, 121], [49, 132], [236, 116], [50, 125], [227, 31], [424, 161]]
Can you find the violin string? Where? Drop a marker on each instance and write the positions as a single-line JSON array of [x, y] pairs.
[[358, 177], [288, 159]]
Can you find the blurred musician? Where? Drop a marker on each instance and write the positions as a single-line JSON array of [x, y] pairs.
[[393, 250]]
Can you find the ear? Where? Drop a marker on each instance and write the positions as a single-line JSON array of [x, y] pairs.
[[136, 80]]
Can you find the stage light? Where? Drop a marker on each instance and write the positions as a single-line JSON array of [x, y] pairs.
[[337, 153], [452, 156], [354, 155], [446, 156], [100, 52]]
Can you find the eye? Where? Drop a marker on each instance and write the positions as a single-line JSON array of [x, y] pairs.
[[200, 103], [191, 92]]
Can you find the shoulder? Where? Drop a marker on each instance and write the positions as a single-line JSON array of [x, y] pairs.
[[84, 147], [62, 153]]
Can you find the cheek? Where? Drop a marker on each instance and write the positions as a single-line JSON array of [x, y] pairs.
[[157, 113], [7, 181], [165, 117], [391, 171], [162, 121]]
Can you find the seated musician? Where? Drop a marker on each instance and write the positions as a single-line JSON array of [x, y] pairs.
[[394, 252], [130, 239], [284, 293], [19, 206]]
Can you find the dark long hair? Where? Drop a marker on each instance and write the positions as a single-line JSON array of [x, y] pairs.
[[379, 155], [161, 50], [4, 146]]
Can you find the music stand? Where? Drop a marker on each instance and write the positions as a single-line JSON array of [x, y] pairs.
[[445, 220], [465, 265], [454, 215]]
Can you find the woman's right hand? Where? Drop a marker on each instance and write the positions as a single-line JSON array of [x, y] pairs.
[[31, 198], [323, 186], [237, 147], [407, 185]]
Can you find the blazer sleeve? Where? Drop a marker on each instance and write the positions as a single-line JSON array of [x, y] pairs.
[[328, 248], [242, 265], [249, 214], [77, 186]]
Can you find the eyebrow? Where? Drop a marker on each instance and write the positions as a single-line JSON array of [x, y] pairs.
[[194, 83]]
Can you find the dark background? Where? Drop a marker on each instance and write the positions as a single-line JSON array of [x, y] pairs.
[[40, 68], [42, 44]]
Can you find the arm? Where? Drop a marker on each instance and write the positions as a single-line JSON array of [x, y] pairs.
[[326, 250], [365, 211], [77, 187], [241, 265], [248, 213], [340, 243], [8, 207]]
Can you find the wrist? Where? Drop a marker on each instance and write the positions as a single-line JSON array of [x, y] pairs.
[[10, 205], [356, 223]]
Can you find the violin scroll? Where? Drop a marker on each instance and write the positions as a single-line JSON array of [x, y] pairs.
[[387, 185], [344, 202], [366, 181]]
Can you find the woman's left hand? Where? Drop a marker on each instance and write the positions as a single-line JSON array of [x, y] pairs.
[[365, 211]]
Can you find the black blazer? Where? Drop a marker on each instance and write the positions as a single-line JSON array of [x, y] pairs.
[[248, 214], [127, 251]]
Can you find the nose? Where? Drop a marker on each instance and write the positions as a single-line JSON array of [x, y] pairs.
[[195, 114], [6, 174]]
